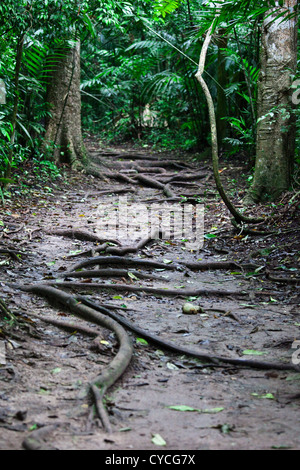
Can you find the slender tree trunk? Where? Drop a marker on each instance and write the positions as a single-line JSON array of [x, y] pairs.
[[275, 141], [14, 117], [63, 137], [222, 110]]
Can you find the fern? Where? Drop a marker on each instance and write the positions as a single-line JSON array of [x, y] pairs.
[[165, 7]]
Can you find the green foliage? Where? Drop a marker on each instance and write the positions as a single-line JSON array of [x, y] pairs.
[[46, 169], [139, 60]]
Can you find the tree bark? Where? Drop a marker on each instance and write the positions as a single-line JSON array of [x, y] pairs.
[[275, 141], [63, 137], [222, 78]]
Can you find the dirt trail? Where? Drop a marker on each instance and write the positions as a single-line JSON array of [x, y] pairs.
[[163, 400]]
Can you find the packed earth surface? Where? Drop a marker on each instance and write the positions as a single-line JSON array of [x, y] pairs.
[[233, 294]]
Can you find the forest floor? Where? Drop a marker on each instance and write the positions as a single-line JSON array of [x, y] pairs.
[[164, 399]]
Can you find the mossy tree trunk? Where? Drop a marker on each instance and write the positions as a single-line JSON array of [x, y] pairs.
[[275, 141], [63, 138]]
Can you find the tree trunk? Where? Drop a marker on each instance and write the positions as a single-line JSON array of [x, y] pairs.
[[275, 141], [222, 78], [63, 137]]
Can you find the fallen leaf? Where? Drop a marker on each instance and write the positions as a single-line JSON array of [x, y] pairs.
[[270, 396], [141, 341], [252, 352], [158, 440]]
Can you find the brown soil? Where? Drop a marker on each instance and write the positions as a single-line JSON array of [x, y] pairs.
[[44, 370]]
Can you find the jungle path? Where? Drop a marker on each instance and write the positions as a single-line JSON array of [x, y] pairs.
[[232, 298]]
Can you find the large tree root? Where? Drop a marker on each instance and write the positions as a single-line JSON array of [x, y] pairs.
[[128, 262], [111, 191], [91, 251], [119, 364], [14, 254], [80, 235], [156, 184], [283, 280], [183, 350], [121, 251], [149, 264], [111, 273], [37, 440], [166, 292]]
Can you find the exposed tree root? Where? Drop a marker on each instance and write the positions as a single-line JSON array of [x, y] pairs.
[[183, 350], [111, 273], [156, 184], [149, 169], [149, 264], [128, 262], [5, 312], [110, 374], [205, 266], [80, 235], [187, 177], [100, 408], [37, 438], [111, 191], [251, 231], [12, 253], [119, 176], [166, 292], [91, 251], [121, 251], [284, 280]]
